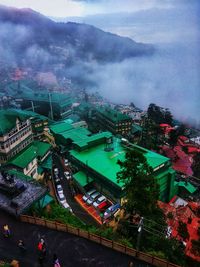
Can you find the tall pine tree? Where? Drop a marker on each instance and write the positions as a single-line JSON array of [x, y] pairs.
[[140, 186]]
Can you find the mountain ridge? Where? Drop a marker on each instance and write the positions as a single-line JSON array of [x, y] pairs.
[[87, 41]]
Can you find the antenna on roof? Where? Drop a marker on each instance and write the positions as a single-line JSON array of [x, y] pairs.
[[109, 144]]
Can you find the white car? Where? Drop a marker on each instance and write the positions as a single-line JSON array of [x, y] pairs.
[[88, 194], [56, 171], [61, 197], [66, 162], [99, 201], [59, 188], [67, 175], [65, 205], [92, 198]]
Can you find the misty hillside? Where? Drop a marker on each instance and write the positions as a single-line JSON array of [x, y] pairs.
[[28, 37]]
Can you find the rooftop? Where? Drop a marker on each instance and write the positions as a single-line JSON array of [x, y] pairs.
[[29, 154], [60, 127], [82, 178], [8, 119], [17, 195], [113, 114], [105, 162]]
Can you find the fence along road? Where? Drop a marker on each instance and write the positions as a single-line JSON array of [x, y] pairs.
[[150, 260], [72, 250]]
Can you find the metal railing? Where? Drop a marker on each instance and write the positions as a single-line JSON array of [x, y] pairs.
[[155, 261]]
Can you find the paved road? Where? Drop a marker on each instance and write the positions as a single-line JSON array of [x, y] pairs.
[[78, 211], [71, 250]]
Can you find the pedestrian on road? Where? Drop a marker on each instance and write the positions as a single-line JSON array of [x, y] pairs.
[[56, 261], [6, 230], [40, 244], [44, 250], [21, 246]]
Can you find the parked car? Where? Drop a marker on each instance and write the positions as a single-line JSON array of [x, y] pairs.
[[66, 205], [92, 198], [111, 210], [99, 201], [62, 198], [57, 179], [59, 188], [88, 194], [56, 171], [67, 175], [103, 206], [66, 162]]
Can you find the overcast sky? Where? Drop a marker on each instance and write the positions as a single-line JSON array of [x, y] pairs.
[[63, 8]]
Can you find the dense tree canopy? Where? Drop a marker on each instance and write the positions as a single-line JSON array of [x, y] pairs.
[[142, 191], [196, 165], [159, 115]]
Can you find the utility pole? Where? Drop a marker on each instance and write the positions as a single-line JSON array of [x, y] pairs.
[[140, 229], [51, 108], [33, 108]]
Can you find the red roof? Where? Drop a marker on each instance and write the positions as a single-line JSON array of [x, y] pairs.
[[165, 125], [183, 138], [194, 205], [182, 213], [192, 149], [192, 229]]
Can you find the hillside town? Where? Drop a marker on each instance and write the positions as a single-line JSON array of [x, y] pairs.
[[61, 146]]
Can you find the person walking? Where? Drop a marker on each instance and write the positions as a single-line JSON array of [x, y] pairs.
[[42, 252], [56, 262], [6, 230], [41, 244], [21, 246]]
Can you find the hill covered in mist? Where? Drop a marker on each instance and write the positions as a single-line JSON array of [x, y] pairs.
[[27, 37]]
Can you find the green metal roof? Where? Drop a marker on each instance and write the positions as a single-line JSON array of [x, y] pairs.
[[188, 186], [29, 114], [105, 162], [82, 178], [25, 157], [41, 148], [8, 119], [60, 127], [29, 154], [82, 139], [113, 114], [43, 202], [47, 163]]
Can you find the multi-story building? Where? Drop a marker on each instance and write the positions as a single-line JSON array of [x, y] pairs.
[[113, 120], [15, 133], [30, 159], [38, 123], [17, 146], [51, 104], [95, 156], [99, 163]]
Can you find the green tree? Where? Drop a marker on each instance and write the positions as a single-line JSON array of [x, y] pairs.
[[196, 165], [182, 230], [196, 247], [141, 189]]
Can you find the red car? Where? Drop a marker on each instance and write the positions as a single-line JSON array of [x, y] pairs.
[[103, 206]]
